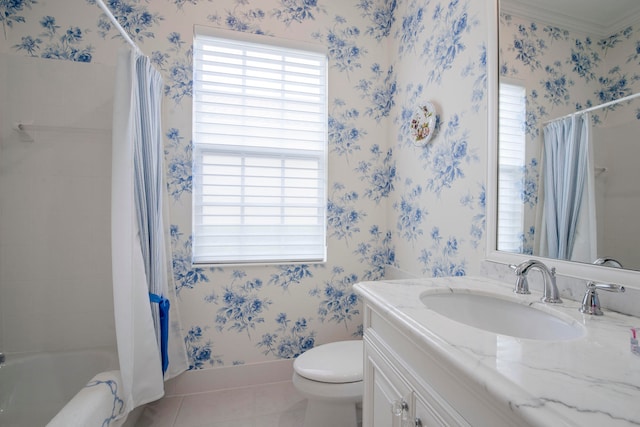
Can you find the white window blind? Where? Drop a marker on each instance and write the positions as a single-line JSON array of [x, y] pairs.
[[511, 153], [260, 148]]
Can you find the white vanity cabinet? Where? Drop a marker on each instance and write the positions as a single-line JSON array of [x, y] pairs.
[[405, 386], [385, 393], [392, 401], [394, 396], [436, 371]]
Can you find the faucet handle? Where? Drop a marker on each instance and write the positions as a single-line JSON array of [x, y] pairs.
[[611, 287], [522, 285], [591, 302], [610, 262]]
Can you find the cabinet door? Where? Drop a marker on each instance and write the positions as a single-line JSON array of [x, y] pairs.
[[385, 394], [387, 400], [393, 399], [425, 417], [432, 411]]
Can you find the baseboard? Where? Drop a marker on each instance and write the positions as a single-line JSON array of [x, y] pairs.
[[226, 377]]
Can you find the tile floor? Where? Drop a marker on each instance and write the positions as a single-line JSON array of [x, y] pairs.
[[266, 405]]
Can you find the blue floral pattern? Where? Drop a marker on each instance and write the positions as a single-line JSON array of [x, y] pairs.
[[198, 352], [615, 39], [527, 240], [528, 47], [441, 260], [556, 86], [136, 19], [297, 11], [179, 154], [479, 71], [290, 274], [342, 48], [535, 112], [179, 72], [246, 21], [184, 275], [289, 340], [635, 56], [570, 73], [446, 44], [10, 12], [377, 253], [344, 132], [403, 120], [410, 214], [529, 190], [66, 46], [180, 3], [381, 93], [241, 306], [478, 221], [343, 218], [448, 159], [584, 59], [386, 57], [339, 303], [412, 27], [615, 85], [382, 16], [379, 173]]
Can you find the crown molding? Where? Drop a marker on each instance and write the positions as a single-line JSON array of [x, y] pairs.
[[590, 25]]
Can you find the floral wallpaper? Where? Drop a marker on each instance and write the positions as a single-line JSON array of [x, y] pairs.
[[564, 71], [420, 209]]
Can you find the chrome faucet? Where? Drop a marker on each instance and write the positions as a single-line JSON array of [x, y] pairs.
[[591, 302], [550, 293], [611, 262]]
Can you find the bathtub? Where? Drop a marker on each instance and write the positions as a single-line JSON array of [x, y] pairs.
[[34, 388]]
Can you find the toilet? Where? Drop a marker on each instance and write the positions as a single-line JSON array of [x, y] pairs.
[[330, 377]]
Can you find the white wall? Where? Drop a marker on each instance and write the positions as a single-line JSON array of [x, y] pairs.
[[617, 149], [55, 260]]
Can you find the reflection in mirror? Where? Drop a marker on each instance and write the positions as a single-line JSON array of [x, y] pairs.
[[567, 181]]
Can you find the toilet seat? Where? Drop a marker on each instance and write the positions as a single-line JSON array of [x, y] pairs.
[[336, 363]]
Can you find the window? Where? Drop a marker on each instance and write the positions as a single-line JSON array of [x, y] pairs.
[[260, 150], [511, 153]]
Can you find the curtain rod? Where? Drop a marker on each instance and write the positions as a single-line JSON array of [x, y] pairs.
[[123, 33], [596, 107]]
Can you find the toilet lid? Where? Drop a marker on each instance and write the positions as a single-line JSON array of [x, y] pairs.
[[336, 362]]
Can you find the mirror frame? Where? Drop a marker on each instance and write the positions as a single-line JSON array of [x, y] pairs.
[[628, 278]]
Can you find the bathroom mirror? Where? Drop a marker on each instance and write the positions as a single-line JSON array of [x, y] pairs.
[[550, 50]]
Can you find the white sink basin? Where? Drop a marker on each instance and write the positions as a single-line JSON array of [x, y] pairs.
[[501, 315]]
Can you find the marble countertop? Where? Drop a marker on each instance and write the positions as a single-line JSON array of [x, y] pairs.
[[593, 380]]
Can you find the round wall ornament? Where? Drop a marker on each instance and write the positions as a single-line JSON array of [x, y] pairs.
[[423, 124]]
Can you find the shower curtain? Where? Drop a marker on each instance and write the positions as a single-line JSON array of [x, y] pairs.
[[150, 345], [568, 217]]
